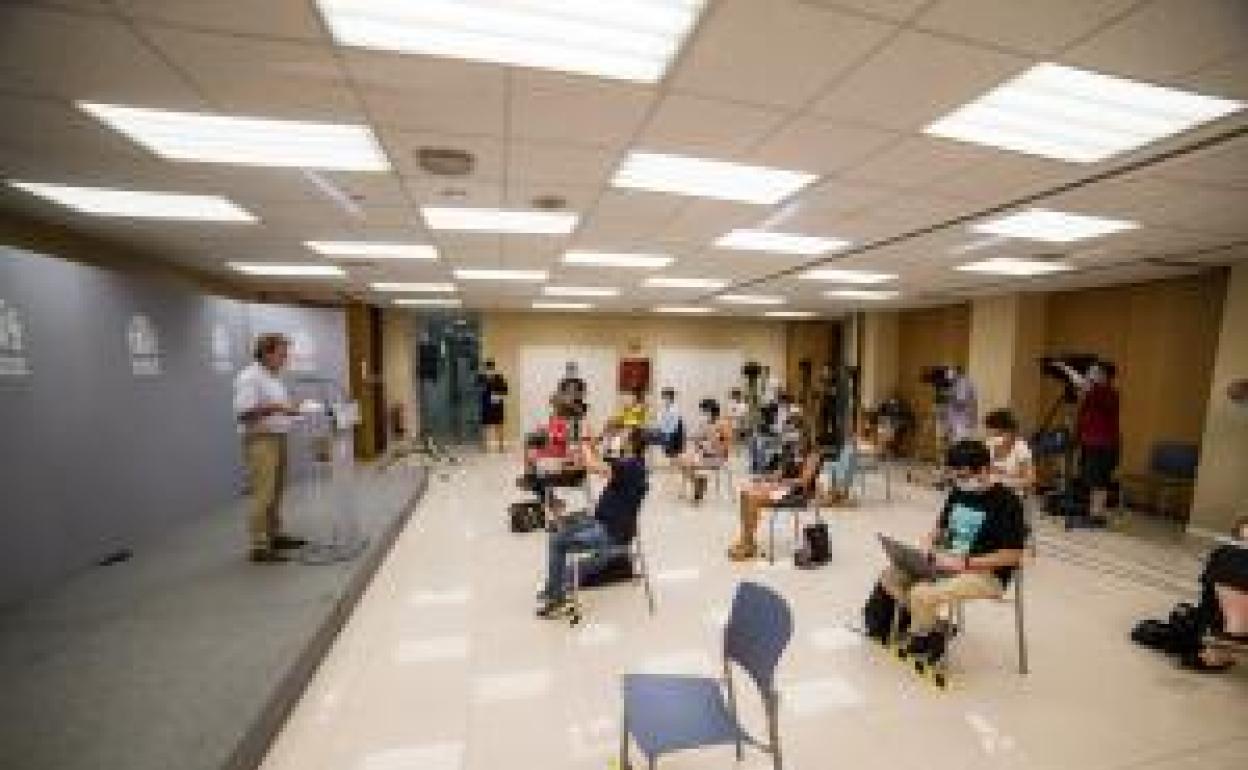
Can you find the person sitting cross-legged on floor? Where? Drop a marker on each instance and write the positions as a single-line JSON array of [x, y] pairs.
[[977, 545], [614, 523], [794, 480]]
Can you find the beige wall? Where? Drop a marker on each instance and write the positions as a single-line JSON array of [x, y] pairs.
[[879, 356], [1222, 485], [1006, 338], [927, 337], [503, 334], [398, 380]]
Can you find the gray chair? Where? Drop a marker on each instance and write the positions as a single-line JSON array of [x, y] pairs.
[[665, 714], [1020, 628], [794, 509], [636, 556]]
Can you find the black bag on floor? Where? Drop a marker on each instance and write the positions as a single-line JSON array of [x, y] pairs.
[[1179, 634], [816, 550], [877, 615], [618, 570], [527, 516]]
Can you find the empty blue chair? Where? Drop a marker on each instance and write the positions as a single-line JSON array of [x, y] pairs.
[[664, 714]]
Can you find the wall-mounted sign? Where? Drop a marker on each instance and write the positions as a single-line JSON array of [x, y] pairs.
[[13, 359], [222, 350], [302, 352], [144, 345]]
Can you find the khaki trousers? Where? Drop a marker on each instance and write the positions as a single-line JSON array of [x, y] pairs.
[[265, 457], [927, 598]]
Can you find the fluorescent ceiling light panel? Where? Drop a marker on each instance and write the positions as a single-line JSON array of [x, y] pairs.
[[287, 270], [837, 275], [701, 178], [580, 291], [209, 138], [562, 306], [1077, 115], [372, 250], [416, 288], [619, 39], [683, 310], [668, 282], [1014, 267], [516, 222], [790, 314], [499, 274], [615, 259], [779, 243], [751, 299], [871, 294], [427, 302], [1052, 226], [103, 201]]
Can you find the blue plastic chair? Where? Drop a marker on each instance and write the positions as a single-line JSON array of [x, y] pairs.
[[664, 714]]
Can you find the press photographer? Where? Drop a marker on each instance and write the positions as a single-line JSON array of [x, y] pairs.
[[1097, 432]]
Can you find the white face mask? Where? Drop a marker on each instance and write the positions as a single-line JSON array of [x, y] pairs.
[[973, 484]]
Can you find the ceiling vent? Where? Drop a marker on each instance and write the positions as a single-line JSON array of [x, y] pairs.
[[550, 202], [445, 161]]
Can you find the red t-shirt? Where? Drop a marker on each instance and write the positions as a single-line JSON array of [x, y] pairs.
[[557, 438], [1098, 417]]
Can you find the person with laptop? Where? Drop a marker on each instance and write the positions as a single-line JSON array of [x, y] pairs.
[[972, 553]]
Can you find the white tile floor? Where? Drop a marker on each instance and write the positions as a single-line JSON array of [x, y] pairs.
[[444, 667]]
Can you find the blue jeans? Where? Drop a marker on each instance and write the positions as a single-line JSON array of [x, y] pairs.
[[580, 536]]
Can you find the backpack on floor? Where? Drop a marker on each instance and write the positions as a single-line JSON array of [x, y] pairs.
[[816, 550], [1179, 634], [877, 615], [526, 516]]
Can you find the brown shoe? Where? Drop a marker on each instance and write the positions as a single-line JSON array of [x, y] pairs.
[[266, 556], [742, 552]]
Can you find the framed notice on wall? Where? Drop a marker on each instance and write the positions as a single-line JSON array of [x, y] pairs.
[[634, 374]]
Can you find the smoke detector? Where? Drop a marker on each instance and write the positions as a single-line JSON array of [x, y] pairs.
[[445, 161]]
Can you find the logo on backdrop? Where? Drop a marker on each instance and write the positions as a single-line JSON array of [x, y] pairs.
[[13, 360], [144, 344], [222, 358], [302, 352]]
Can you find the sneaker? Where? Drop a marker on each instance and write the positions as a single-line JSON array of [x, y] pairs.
[[930, 646], [553, 608], [699, 488], [266, 556], [287, 542]]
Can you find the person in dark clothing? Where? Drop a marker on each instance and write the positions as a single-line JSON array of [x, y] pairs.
[[493, 387], [1098, 434], [573, 391], [613, 524], [977, 544], [1223, 609]]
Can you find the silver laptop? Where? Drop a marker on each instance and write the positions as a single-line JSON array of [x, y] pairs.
[[910, 560]]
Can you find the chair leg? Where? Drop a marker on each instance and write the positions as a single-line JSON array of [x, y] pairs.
[[732, 708], [771, 539], [773, 729], [623, 759], [1019, 626], [644, 570]]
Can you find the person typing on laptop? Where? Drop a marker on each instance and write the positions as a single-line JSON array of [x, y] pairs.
[[973, 551]]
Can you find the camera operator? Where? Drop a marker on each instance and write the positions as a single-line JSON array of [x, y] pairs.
[[962, 410], [1097, 432]]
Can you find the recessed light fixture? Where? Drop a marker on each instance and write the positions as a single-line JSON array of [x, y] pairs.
[[513, 221], [499, 274], [287, 270], [837, 275], [621, 40], [703, 178], [669, 282], [1014, 267], [1052, 226], [427, 302], [1077, 115], [103, 201], [751, 299], [779, 243], [580, 291], [539, 305], [790, 314], [211, 138], [413, 287], [372, 250], [615, 259], [871, 294], [684, 310]]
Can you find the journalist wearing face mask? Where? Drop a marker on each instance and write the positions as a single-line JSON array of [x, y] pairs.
[[975, 547]]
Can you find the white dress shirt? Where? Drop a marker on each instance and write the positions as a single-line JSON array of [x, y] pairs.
[[256, 386]]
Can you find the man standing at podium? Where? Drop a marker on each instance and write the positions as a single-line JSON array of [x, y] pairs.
[[264, 413]]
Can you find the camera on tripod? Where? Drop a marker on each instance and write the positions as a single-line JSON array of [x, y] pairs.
[[939, 377], [1081, 364]]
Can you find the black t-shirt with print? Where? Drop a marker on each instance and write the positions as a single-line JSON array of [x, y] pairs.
[[978, 523]]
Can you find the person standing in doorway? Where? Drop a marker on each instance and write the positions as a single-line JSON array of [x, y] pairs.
[[264, 413], [493, 388], [574, 392]]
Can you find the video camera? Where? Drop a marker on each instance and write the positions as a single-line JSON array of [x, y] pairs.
[[1080, 363], [939, 377]]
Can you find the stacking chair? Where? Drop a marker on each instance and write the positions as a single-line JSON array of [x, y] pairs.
[[794, 509], [665, 714], [1020, 629], [641, 571]]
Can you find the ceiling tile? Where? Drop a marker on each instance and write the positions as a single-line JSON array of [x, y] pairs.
[[1002, 177], [109, 62], [820, 146], [278, 18], [1227, 78], [702, 221], [554, 163], [579, 197], [430, 190], [428, 93], [403, 147], [547, 105], [917, 161], [780, 53], [1166, 39], [622, 218], [1037, 28], [693, 125], [1224, 164], [895, 10], [916, 79], [260, 77]]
